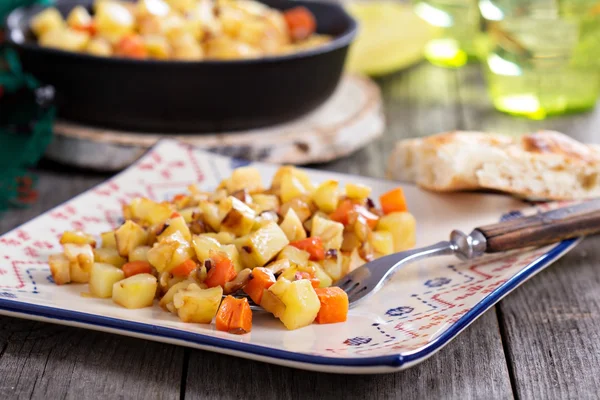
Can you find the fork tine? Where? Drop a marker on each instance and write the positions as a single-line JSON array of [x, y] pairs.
[[357, 295], [344, 285], [353, 289]]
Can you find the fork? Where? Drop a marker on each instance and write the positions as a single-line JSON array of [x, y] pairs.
[[537, 230]]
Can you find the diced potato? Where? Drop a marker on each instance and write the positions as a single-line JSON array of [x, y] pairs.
[[148, 212], [293, 184], [152, 7], [182, 5], [139, 253], [301, 303], [137, 291], [240, 218], [103, 277], [170, 252], [303, 208], [278, 266], [99, 47], [294, 255], [79, 17], [292, 226], [330, 232], [261, 246], [168, 297], [77, 237], [65, 39], [60, 269], [334, 266], [157, 46], [234, 255], [109, 256], [211, 214], [271, 303], [352, 261], [327, 195], [382, 242], [221, 237], [244, 178], [81, 258], [203, 245], [188, 213], [129, 236], [198, 306], [113, 18], [402, 226], [323, 277], [185, 47], [226, 48], [48, 20], [108, 240], [357, 191], [176, 224], [265, 202]]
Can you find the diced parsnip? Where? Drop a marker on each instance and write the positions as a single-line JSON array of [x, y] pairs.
[[265, 202], [301, 206], [261, 246], [301, 303], [99, 47], [244, 178], [333, 265], [102, 278], [48, 20], [60, 269], [203, 245], [239, 219], [352, 261], [139, 253], [168, 297], [327, 195], [382, 242], [113, 18], [79, 17], [137, 291], [357, 191], [198, 306], [109, 256], [221, 237], [294, 255], [148, 212], [234, 255], [292, 226], [210, 214], [65, 39], [81, 258], [77, 237], [170, 252], [176, 224], [402, 226], [323, 277], [129, 236], [330, 232], [108, 240]]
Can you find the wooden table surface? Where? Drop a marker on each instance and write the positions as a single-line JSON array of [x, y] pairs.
[[541, 342]]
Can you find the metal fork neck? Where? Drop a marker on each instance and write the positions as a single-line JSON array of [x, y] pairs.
[[468, 247]]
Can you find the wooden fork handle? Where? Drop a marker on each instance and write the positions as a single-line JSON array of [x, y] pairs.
[[581, 219]]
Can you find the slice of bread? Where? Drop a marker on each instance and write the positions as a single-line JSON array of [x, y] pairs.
[[542, 165]]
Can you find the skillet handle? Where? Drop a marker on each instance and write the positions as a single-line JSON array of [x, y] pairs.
[[544, 228]]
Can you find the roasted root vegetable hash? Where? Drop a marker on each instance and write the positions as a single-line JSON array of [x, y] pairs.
[[178, 29], [281, 246]]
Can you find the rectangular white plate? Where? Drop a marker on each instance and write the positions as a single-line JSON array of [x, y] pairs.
[[424, 306]]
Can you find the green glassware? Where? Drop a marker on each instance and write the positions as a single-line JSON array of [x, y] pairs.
[[542, 58]]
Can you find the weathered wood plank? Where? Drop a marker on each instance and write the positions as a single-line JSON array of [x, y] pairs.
[[471, 367], [45, 361]]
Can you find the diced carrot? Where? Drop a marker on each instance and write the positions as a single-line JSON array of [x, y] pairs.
[[89, 28], [334, 305], [136, 267], [315, 282], [261, 280], [301, 22], [131, 46], [343, 214], [393, 201], [221, 271], [314, 247], [175, 215], [179, 196], [184, 268], [234, 316]]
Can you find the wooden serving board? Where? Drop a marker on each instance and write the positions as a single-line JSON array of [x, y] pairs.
[[349, 120]]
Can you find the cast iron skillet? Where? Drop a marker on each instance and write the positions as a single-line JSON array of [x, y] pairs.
[[179, 96]]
